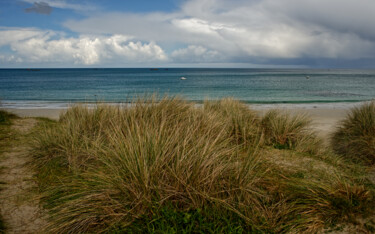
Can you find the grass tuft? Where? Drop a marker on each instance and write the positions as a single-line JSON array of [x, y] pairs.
[[239, 120], [6, 134], [166, 165], [283, 130], [354, 137], [6, 117]]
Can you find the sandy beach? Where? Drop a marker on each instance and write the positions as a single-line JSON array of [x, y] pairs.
[[324, 120], [325, 117], [37, 112]]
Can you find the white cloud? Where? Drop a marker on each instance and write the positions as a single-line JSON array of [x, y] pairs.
[[10, 59], [9, 35], [264, 29], [35, 46], [206, 31]]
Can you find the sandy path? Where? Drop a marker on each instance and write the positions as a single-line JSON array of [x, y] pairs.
[[18, 201]]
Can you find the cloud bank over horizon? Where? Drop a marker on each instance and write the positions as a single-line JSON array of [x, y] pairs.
[[262, 32], [36, 46]]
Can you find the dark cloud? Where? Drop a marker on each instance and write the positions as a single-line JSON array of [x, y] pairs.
[[336, 15], [40, 8]]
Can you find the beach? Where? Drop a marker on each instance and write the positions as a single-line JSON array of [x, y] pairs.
[[324, 116], [44, 113]]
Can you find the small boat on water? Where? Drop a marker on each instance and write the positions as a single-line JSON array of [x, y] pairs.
[[183, 78], [307, 77]]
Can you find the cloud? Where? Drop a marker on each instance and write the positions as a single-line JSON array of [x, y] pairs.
[[10, 59], [195, 54], [67, 4], [39, 46], [10, 35], [337, 15], [207, 31], [40, 8], [254, 30]]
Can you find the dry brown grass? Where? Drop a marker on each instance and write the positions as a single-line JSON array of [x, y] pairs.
[[286, 131], [105, 167], [355, 135], [240, 121]]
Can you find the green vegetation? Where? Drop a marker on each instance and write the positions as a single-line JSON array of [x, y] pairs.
[[2, 226], [6, 117], [355, 136], [168, 166], [6, 133]]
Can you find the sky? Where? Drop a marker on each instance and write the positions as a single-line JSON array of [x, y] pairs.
[[187, 33]]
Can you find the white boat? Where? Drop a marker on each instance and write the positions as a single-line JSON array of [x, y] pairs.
[[183, 78]]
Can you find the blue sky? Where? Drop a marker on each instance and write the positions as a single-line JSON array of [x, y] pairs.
[[187, 33]]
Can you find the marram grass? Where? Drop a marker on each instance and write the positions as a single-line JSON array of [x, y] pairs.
[[355, 135], [170, 165], [286, 131], [242, 124]]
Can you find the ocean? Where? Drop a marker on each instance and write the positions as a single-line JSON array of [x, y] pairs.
[[29, 88]]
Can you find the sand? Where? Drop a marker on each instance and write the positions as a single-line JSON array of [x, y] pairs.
[[325, 118], [37, 112], [19, 204]]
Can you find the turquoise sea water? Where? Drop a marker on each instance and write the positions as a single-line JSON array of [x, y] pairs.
[[55, 86]]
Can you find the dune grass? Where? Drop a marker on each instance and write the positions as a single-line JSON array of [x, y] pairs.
[[283, 130], [168, 166], [355, 136], [241, 123], [5, 131]]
